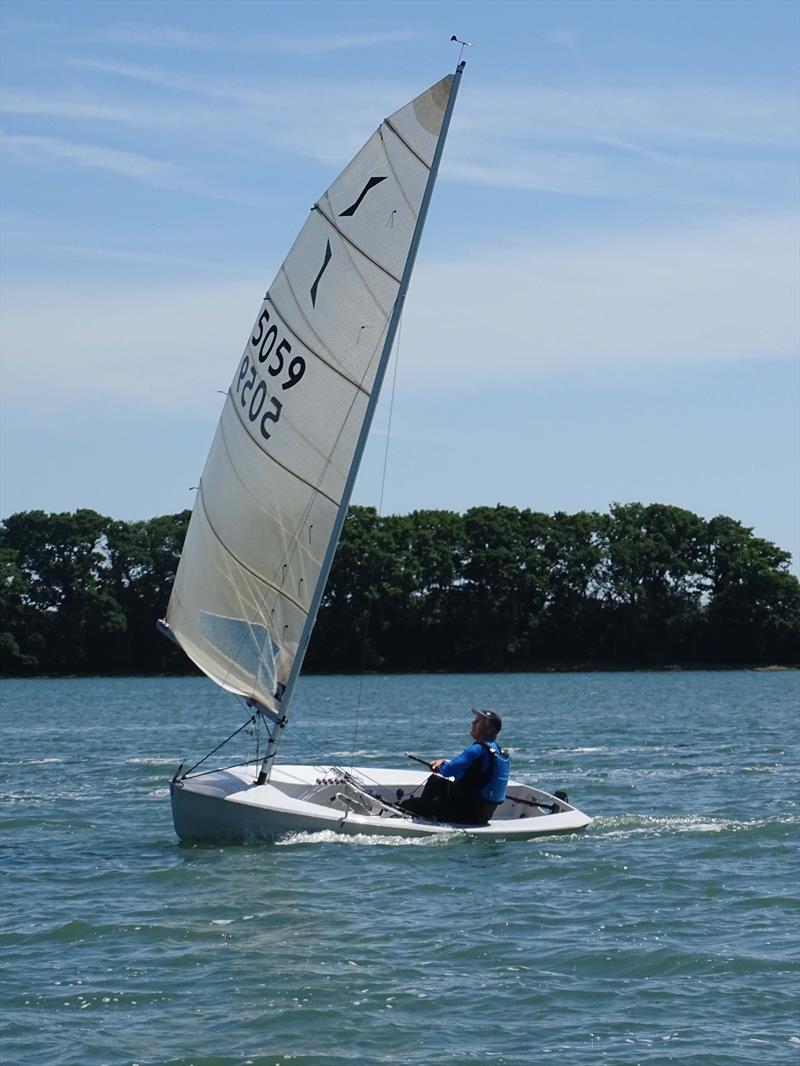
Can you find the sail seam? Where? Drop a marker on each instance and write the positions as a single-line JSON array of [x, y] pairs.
[[353, 244], [403, 141], [259, 577], [325, 362], [315, 490], [367, 288], [288, 469]]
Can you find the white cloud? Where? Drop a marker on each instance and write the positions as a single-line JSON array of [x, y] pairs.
[[695, 145], [317, 118], [158, 173], [640, 119], [129, 164], [153, 346], [141, 35], [728, 292], [87, 106], [718, 293], [686, 115]]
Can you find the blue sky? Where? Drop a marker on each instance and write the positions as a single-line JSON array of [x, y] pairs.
[[605, 305]]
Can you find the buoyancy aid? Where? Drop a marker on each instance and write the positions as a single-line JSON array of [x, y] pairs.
[[495, 781]]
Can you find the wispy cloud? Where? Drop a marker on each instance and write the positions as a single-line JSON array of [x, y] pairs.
[[142, 35], [693, 145], [74, 251], [642, 118], [84, 108], [318, 118], [721, 184], [159, 36], [128, 164], [719, 294], [709, 147], [716, 293], [653, 115], [153, 326], [158, 173]]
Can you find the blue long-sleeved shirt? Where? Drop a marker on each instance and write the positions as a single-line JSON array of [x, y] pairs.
[[457, 767]]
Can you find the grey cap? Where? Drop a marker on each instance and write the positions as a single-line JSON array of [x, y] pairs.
[[492, 717]]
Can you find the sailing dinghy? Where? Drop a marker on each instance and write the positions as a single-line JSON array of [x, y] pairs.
[[275, 490]]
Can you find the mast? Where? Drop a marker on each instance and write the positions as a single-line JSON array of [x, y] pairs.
[[279, 725]]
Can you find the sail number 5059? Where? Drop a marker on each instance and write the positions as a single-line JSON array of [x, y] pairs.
[[252, 390], [263, 342], [252, 394]]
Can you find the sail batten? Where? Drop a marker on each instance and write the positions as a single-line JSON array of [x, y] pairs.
[[287, 469], [282, 465], [327, 360], [269, 583], [388, 124]]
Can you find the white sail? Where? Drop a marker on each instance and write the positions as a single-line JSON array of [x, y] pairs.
[[276, 481]]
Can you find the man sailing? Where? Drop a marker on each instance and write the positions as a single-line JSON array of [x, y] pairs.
[[467, 789]]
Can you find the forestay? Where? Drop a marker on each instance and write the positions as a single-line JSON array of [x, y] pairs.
[[276, 479]]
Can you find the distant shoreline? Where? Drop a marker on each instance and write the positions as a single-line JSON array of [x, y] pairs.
[[670, 668], [644, 587]]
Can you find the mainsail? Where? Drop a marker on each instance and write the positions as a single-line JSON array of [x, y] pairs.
[[278, 479]]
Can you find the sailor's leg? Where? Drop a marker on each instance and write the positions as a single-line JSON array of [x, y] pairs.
[[434, 794], [464, 810]]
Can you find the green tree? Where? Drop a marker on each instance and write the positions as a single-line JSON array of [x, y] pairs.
[[64, 558], [495, 588], [575, 622], [753, 611], [18, 622], [142, 560], [653, 581], [506, 585]]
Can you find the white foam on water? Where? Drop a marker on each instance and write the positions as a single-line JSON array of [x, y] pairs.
[[364, 753], [577, 751], [329, 836], [30, 762], [616, 828], [141, 761], [645, 749], [40, 799]]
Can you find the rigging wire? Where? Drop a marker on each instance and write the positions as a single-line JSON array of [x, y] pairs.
[[368, 618], [391, 413], [217, 697], [250, 721]]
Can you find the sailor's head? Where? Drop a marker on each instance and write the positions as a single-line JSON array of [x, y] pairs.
[[486, 724]]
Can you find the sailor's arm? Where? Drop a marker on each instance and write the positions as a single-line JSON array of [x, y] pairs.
[[457, 767]]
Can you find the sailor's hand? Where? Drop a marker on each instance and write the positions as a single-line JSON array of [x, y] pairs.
[[436, 764]]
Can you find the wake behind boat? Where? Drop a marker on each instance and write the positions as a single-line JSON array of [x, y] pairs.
[[276, 487]]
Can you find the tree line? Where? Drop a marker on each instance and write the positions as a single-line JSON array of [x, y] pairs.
[[495, 588]]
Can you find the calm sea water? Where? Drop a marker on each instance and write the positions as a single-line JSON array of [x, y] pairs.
[[666, 933]]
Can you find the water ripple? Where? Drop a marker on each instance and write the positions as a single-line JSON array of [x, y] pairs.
[[667, 933]]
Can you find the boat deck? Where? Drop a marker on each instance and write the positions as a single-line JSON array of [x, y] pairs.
[[228, 804]]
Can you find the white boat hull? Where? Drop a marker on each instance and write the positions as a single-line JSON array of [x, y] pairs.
[[227, 805]]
